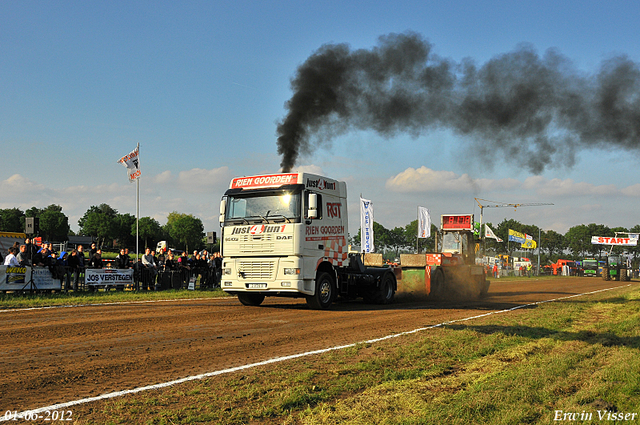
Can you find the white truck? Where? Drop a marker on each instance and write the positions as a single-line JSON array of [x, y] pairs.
[[286, 235]]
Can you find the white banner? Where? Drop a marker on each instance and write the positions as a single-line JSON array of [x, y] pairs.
[[366, 225], [605, 240], [108, 276], [43, 279], [132, 163], [424, 222], [27, 278], [488, 233]]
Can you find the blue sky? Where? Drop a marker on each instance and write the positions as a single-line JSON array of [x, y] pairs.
[[201, 85]]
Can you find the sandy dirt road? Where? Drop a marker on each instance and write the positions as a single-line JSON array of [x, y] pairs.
[[57, 355]]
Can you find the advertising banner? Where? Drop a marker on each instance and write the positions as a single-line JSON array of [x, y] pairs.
[[132, 163], [488, 233], [108, 277], [366, 225], [27, 278], [43, 279], [13, 278], [606, 240], [516, 236], [529, 243], [424, 222]]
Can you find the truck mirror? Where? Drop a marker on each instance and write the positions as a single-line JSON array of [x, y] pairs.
[[223, 208], [313, 206]]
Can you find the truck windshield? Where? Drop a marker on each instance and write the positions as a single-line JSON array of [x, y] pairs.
[[264, 207], [453, 243]]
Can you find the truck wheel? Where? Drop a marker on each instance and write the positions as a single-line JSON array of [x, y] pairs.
[[250, 299], [437, 284], [325, 289], [386, 292], [484, 286], [623, 275], [605, 274]]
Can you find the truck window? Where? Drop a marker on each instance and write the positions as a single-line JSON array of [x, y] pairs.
[[264, 206]]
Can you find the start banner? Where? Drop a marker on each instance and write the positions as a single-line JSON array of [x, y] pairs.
[[606, 240], [108, 276]]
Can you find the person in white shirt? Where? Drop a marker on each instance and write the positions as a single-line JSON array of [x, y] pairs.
[[11, 260]]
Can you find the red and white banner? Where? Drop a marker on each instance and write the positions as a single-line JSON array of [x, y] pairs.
[[264, 181], [605, 240], [488, 233], [132, 163]]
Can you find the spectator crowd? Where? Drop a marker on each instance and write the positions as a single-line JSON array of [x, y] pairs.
[[152, 271]]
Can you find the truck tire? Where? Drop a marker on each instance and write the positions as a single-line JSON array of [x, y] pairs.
[[250, 299], [605, 274], [386, 292], [437, 284], [624, 275], [484, 286], [324, 294]]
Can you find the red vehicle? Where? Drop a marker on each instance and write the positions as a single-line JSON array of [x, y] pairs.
[[558, 265]]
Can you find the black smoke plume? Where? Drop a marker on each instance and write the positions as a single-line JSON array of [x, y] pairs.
[[532, 110]]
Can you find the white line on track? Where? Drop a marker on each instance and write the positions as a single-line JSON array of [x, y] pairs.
[[13, 310], [115, 394]]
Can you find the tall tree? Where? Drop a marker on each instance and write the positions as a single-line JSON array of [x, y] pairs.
[[578, 239], [12, 220], [100, 222], [553, 243], [424, 244], [123, 223], [185, 229], [149, 229], [54, 224]]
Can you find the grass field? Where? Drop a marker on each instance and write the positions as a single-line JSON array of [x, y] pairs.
[[576, 360]]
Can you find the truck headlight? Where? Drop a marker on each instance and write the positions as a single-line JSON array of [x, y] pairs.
[[226, 271], [291, 271]]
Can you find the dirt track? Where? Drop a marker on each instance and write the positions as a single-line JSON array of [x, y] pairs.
[[57, 355]]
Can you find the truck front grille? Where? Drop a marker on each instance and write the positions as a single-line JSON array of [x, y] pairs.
[[257, 270], [256, 244]]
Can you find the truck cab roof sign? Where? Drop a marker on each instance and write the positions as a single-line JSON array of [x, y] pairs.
[[264, 181]]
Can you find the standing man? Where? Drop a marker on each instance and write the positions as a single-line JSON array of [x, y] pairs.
[[80, 268], [150, 266], [22, 256]]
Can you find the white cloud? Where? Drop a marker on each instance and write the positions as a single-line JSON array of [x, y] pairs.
[[425, 179], [567, 187], [633, 191], [198, 180]]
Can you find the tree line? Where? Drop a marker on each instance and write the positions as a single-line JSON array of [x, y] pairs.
[[184, 231], [109, 227], [575, 244]]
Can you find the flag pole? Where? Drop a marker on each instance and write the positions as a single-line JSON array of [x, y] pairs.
[[137, 210]]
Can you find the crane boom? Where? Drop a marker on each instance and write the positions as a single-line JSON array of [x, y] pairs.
[[494, 204]]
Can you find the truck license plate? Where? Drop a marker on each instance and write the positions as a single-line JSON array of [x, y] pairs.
[[256, 285]]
